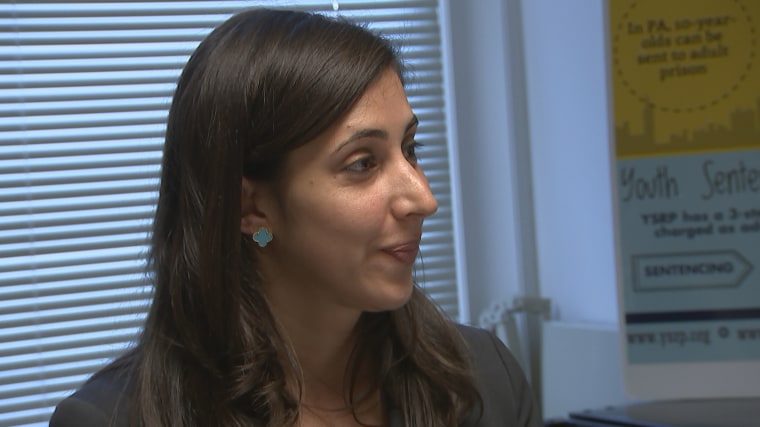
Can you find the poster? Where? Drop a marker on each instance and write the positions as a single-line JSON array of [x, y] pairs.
[[685, 78]]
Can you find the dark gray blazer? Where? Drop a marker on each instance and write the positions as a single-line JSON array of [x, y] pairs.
[[507, 399]]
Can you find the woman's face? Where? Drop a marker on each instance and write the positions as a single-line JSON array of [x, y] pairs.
[[347, 216]]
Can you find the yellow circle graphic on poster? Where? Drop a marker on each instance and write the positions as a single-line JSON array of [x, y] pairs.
[[683, 69]]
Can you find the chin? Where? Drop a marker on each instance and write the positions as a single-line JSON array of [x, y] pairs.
[[394, 299]]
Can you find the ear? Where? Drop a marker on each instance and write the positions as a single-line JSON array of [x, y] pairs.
[[255, 206]]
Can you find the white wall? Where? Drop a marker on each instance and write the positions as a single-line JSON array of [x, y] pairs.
[[559, 120], [483, 132], [564, 48], [565, 61], [568, 135]]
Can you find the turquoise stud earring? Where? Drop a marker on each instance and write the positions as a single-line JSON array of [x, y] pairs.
[[263, 236]]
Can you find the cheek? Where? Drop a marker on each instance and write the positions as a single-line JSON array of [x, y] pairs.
[[332, 237], [361, 214], [321, 209], [345, 204]]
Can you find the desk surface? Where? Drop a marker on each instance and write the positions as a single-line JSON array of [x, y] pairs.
[[740, 412]]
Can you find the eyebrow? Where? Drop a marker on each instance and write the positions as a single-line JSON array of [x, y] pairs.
[[374, 133]]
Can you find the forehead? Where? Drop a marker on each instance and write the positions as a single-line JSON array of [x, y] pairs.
[[384, 101], [383, 106]]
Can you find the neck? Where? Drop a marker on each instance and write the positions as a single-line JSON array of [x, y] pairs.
[[323, 340], [323, 348]]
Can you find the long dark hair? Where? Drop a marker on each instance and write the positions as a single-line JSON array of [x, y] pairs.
[[258, 86]]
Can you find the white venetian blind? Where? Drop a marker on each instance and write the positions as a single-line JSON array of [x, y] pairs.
[[84, 93]]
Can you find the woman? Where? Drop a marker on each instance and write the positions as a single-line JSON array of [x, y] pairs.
[[288, 221]]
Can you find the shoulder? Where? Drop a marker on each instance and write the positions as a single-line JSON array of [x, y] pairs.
[[489, 353], [101, 402], [505, 392]]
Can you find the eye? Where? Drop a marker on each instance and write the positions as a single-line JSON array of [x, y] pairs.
[[410, 151], [363, 164]]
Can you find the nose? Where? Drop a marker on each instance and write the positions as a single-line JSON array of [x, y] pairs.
[[413, 196]]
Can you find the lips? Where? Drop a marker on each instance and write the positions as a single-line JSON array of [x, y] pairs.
[[405, 253]]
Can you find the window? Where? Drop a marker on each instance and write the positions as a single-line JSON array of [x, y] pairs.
[[84, 93]]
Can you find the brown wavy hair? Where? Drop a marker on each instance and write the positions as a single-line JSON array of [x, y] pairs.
[[260, 85]]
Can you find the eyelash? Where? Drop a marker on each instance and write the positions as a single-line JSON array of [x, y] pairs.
[[360, 166], [410, 151], [369, 161]]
